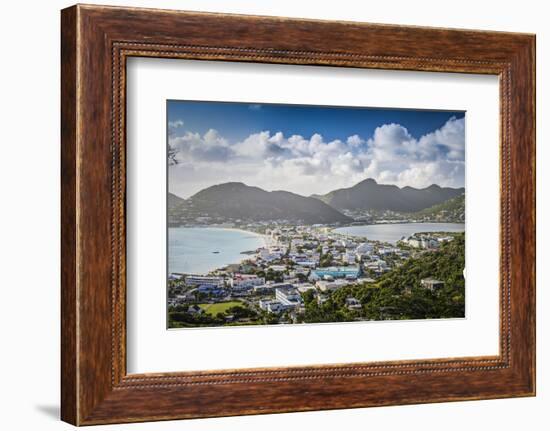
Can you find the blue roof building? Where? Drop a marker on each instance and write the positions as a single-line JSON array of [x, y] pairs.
[[211, 289], [349, 272]]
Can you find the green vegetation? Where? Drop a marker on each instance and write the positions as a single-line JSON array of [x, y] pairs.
[[452, 210], [222, 313], [401, 296], [398, 294], [237, 201], [219, 307], [325, 260], [369, 195], [271, 275], [454, 204], [178, 317], [394, 295]]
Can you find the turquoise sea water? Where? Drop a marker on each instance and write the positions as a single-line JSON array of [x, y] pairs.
[[191, 249], [394, 232]]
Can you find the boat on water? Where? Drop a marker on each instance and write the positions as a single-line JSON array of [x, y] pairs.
[[216, 252]]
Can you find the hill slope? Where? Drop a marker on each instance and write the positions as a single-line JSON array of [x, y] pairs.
[[231, 201], [174, 200], [451, 210], [368, 194]]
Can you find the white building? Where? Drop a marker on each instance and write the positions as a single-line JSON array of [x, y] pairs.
[[288, 296], [246, 281], [301, 271], [352, 303], [304, 287], [414, 242], [297, 242], [388, 250], [432, 284], [270, 305], [377, 266], [277, 268], [364, 248], [268, 255], [270, 287], [329, 286], [423, 242], [348, 258], [307, 263], [197, 280]]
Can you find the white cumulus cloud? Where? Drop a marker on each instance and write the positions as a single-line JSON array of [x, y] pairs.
[[308, 165]]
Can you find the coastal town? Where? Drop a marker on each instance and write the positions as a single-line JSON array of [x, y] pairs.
[[291, 214], [313, 274]]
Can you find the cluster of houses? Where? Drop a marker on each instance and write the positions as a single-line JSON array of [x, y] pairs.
[[287, 298], [305, 246], [426, 241], [302, 259]]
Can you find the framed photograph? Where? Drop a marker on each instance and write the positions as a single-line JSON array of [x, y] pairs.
[[327, 243], [324, 214]]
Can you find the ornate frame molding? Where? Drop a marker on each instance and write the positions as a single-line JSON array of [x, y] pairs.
[[96, 41]]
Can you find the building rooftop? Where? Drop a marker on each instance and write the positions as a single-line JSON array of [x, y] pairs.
[[337, 271]]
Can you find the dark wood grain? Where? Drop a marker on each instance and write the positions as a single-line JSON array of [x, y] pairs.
[[96, 41], [69, 397]]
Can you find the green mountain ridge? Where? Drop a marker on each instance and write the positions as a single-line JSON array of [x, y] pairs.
[[232, 201], [237, 201], [174, 200], [369, 195], [453, 209]]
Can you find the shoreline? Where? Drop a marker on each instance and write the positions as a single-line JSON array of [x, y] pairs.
[[267, 242], [270, 242], [398, 222]]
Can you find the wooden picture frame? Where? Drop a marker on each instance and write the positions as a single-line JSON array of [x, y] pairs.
[[95, 43]]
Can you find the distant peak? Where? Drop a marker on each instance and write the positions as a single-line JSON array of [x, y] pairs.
[[231, 185], [234, 183], [434, 187], [174, 195], [369, 181]]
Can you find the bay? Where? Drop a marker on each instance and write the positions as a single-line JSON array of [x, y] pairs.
[[198, 250], [393, 232]]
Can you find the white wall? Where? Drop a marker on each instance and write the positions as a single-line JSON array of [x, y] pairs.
[[29, 228]]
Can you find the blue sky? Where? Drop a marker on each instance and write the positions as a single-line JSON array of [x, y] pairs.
[[236, 121], [312, 149]]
